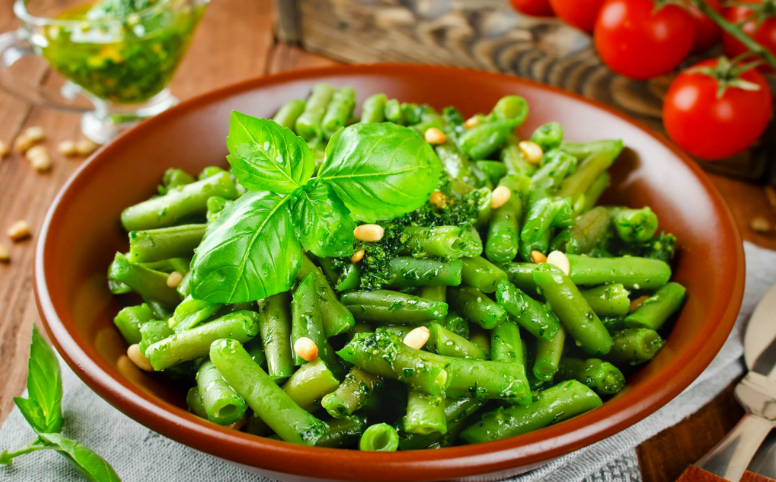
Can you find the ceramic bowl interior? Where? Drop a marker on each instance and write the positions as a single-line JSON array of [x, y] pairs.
[[82, 232]]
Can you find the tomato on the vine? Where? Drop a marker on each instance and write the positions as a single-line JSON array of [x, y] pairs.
[[578, 13], [707, 32], [638, 40], [536, 8], [716, 109], [757, 19]]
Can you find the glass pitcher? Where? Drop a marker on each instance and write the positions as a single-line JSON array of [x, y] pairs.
[[119, 55]]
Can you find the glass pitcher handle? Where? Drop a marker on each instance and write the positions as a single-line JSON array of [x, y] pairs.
[[13, 47]]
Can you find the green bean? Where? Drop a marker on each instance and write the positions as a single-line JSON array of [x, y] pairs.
[[288, 114], [275, 329], [613, 323], [222, 404], [658, 308], [350, 278], [215, 206], [190, 344], [632, 272], [146, 282], [589, 169], [267, 400], [161, 311], [493, 170], [521, 275], [482, 379], [480, 337], [511, 107], [458, 166], [407, 272], [129, 321], [384, 355], [306, 322], [373, 110], [574, 313], [256, 351], [173, 178], [560, 402], [153, 331], [595, 190], [335, 317], [310, 383], [583, 150], [384, 306], [590, 230], [476, 307], [513, 158], [634, 225], [184, 287], [446, 242], [209, 171], [118, 288], [190, 313], [358, 328], [425, 413], [504, 228], [194, 402], [557, 167], [380, 437], [532, 315], [309, 123], [506, 346], [351, 394], [343, 432], [413, 113], [457, 410], [339, 111], [394, 112], [634, 346], [484, 207], [548, 353], [603, 377], [484, 139], [444, 342], [434, 293], [608, 300], [457, 325], [482, 274], [548, 136], [177, 204], [543, 215]]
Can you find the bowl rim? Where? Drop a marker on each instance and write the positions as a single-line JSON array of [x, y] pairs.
[[454, 462]]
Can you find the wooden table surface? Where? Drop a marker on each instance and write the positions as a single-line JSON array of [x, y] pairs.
[[235, 42]]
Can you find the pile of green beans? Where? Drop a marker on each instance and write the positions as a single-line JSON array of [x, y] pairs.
[[509, 342]]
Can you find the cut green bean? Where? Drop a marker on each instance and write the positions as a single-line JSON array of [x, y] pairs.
[[557, 167], [309, 125], [532, 315], [634, 346], [506, 346], [306, 322], [587, 234], [289, 113], [130, 320], [275, 329], [630, 271], [335, 317], [190, 313], [173, 178], [153, 331], [164, 243], [484, 139], [608, 300], [339, 111], [493, 170], [457, 324], [548, 353], [222, 404], [343, 433], [634, 225], [373, 109], [434, 293], [407, 272], [310, 383], [457, 411], [521, 275], [458, 166], [194, 402], [393, 112], [425, 413], [447, 242], [589, 170], [476, 307], [514, 159], [511, 107], [384, 306], [351, 394], [482, 274], [548, 136], [603, 377], [380, 437], [444, 342], [596, 189], [658, 308], [148, 283], [504, 228]]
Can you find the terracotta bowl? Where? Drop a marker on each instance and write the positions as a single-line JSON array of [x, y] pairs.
[[82, 232]]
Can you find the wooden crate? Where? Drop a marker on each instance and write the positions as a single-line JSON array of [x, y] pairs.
[[487, 35]]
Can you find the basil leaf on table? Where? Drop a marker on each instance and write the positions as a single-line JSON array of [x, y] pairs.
[[43, 407], [266, 156], [248, 253], [380, 171], [323, 223], [90, 465]]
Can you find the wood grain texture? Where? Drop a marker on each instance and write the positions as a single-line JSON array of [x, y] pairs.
[[694, 474], [489, 35]]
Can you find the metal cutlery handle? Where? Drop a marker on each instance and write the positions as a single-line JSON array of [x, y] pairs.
[[730, 457]]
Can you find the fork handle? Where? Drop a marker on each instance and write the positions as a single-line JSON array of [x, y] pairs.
[[695, 474]]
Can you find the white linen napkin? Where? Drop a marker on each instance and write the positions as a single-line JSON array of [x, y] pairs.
[[142, 455]]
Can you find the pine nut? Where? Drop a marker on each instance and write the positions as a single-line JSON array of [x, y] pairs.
[[174, 279], [236, 425], [358, 256], [369, 233], [4, 150], [40, 162], [19, 230], [5, 256], [761, 225], [500, 196], [439, 200], [67, 148], [637, 302], [434, 136], [473, 121], [560, 260], [532, 151], [538, 257], [138, 358], [22, 143], [417, 338], [35, 151], [85, 147], [35, 133], [306, 349]]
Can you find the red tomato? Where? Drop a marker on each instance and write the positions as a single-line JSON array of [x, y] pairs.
[[635, 41], [764, 34], [707, 33], [537, 8], [712, 127], [578, 13]]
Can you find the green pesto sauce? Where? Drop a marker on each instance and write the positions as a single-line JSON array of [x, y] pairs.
[[128, 61]]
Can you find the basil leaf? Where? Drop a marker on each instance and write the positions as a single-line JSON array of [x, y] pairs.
[[248, 253], [323, 223], [90, 465], [267, 157], [380, 171], [43, 407]]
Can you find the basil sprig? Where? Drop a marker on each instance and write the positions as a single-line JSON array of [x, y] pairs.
[[43, 411], [254, 249]]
